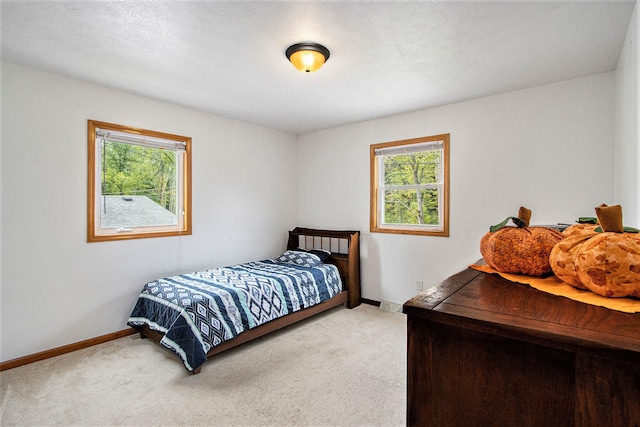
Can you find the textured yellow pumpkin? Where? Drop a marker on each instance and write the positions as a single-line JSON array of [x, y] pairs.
[[605, 262], [578, 229], [521, 249], [564, 254], [609, 264]]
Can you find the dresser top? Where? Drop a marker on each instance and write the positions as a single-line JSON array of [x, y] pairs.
[[492, 304]]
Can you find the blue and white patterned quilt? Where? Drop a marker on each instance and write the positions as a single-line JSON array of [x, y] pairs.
[[198, 311]]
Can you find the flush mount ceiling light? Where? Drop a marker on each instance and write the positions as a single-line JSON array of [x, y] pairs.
[[307, 57]]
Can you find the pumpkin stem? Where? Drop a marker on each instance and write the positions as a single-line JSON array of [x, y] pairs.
[[517, 221], [521, 221], [610, 218], [525, 215], [587, 220], [613, 217]]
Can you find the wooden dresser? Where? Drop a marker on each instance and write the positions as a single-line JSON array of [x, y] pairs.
[[484, 351]]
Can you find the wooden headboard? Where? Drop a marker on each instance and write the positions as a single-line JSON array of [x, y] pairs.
[[345, 254]]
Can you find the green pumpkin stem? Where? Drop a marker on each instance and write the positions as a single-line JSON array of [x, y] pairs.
[[517, 221], [521, 221], [587, 220], [624, 229]]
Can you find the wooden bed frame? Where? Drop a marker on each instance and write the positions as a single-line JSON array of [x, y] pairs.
[[345, 254]]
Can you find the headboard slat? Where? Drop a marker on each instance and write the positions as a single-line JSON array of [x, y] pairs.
[[345, 249]]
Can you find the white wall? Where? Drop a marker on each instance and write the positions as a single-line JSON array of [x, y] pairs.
[[627, 160], [58, 289], [549, 148]]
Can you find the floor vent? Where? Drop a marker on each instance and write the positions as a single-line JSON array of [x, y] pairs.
[[389, 306]]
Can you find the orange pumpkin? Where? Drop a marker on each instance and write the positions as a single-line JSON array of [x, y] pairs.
[[564, 254], [605, 260], [580, 228], [521, 249]]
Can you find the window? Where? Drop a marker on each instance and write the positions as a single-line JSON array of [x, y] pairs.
[[139, 183], [410, 186]]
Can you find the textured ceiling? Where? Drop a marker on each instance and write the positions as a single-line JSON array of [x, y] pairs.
[[387, 57]]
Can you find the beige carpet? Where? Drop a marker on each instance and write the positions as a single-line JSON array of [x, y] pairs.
[[341, 368]]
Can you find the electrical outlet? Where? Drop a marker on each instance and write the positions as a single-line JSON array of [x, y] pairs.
[[419, 285]]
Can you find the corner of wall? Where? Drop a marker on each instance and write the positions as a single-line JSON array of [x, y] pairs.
[[627, 137]]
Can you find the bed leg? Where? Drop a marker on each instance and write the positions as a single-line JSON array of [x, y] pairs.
[[197, 371]]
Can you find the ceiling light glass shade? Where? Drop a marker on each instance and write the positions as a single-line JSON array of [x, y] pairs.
[[307, 57]]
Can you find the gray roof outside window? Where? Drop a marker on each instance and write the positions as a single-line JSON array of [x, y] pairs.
[[134, 211]]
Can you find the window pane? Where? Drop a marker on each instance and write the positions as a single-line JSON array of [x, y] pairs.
[[410, 169], [138, 186], [411, 207]]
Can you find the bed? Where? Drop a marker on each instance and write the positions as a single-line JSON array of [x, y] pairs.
[[200, 314]]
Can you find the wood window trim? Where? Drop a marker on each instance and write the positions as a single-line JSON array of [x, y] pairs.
[[374, 226], [92, 235]]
